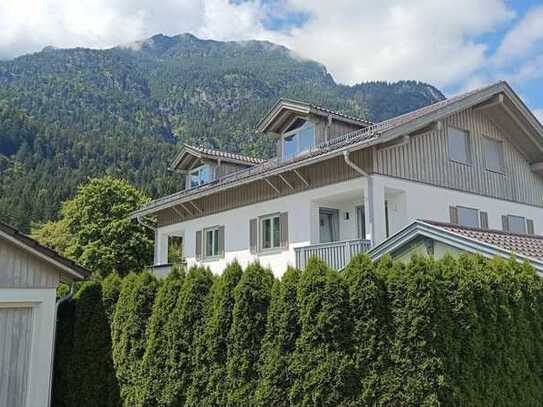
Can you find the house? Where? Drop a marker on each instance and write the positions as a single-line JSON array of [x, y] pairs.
[[339, 184], [29, 276], [426, 237]]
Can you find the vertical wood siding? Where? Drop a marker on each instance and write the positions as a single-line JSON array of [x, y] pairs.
[[425, 159], [20, 269], [318, 175], [15, 343]]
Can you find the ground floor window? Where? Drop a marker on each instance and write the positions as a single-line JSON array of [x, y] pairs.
[[271, 232], [211, 242]]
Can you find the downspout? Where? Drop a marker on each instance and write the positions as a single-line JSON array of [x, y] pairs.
[[355, 167], [327, 129], [57, 304]]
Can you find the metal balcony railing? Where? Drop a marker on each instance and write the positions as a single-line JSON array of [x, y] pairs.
[[336, 254]]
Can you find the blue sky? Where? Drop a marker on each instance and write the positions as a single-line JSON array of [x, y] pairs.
[[455, 45]]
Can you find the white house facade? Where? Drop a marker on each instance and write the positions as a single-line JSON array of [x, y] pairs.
[[341, 185]]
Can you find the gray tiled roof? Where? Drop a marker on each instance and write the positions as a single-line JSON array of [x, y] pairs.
[[526, 245], [225, 154]]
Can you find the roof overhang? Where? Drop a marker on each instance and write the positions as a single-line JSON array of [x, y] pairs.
[[190, 157], [67, 267], [185, 160], [419, 229], [283, 108], [380, 135]]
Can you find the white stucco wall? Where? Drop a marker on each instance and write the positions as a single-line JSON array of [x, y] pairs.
[[408, 201]]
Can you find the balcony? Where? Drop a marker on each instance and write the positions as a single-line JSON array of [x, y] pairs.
[[336, 254]]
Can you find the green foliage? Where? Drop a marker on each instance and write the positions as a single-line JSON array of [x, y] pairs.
[[111, 289], [83, 359], [186, 322], [69, 114], [128, 332], [322, 367], [95, 228], [451, 332], [370, 316], [279, 342], [160, 334], [252, 298], [208, 386]]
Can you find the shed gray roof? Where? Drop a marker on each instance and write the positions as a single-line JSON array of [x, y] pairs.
[[527, 245], [27, 242], [489, 243], [379, 133]]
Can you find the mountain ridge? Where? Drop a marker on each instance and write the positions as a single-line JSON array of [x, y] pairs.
[[69, 114]]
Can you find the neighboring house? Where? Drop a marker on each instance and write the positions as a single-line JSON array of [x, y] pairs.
[[436, 239], [29, 276], [340, 185]]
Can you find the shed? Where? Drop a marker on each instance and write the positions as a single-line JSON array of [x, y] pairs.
[[29, 276], [427, 237]]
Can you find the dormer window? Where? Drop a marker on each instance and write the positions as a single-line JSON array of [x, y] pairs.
[[298, 138], [200, 176]]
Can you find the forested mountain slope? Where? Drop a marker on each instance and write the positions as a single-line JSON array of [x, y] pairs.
[[67, 114]]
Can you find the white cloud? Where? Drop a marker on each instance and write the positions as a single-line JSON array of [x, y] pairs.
[[357, 40], [539, 114], [522, 38], [426, 39]]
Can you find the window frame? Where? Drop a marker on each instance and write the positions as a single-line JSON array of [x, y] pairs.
[[524, 222], [501, 152], [215, 242], [199, 171], [469, 157], [477, 216], [260, 232], [294, 133]]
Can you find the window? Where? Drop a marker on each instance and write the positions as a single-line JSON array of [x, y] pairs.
[[211, 242], [517, 224], [458, 143], [493, 155], [299, 137], [270, 232], [200, 176], [468, 217]]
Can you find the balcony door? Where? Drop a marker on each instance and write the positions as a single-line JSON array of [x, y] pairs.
[[328, 225]]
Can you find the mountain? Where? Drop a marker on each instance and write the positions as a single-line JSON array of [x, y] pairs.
[[67, 114]]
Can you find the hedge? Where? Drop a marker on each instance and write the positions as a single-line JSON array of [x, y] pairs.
[[185, 322], [160, 334], [128, 333], [84, 374], [465, 331], [208, 386]]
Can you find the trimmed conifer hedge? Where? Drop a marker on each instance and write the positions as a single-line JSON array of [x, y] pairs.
[[466, 331]]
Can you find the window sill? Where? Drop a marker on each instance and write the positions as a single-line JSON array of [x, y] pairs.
[[210, 259], [266, 252]]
